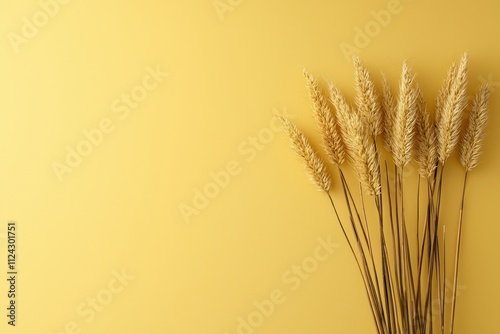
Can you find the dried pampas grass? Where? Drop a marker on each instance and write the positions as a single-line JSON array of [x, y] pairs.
[[389, 112], [332, 143], [451, 109], [314, 165], [426, 139], [404, 120], [367, 99], [402, 283], [357, 139], [472, 140]]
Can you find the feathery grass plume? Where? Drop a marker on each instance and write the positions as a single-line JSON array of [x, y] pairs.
[[366, 98], [426, 138], [313, 164], [470, 146], [357, 139], [389, 112], [450, 116], [404, 120], [332, 143], [343, 113], [444, 91], [341, 106]]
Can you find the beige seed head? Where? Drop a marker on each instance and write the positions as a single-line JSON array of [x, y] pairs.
[[450, 116], [365, 160], [314, 166], [367, 99], [359, 143], [472, 140], [445, 88], [426, 139], [389, 112], [342, 108], [404, 121], [343, 114], [332, 142]]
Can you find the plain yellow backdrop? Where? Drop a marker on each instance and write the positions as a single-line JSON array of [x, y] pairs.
[[131, 207]]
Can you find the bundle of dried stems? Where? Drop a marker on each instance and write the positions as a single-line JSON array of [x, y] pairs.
[[403, 277]]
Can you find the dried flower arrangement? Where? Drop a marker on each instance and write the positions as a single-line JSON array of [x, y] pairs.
[[403, 265]]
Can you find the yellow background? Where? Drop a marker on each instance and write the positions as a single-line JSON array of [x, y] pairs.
[[228, 75]]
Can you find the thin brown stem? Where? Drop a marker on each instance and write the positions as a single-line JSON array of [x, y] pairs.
[[457, 256]]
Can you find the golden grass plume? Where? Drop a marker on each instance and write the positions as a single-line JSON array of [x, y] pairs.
[[450, 115], [472, 140], [426, 139], [389, 112], [444, 91], [332, 142], [404, 120], [358, 141], [367, 98], [314, 165]]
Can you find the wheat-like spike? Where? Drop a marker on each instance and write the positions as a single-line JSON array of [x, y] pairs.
[[366, 163], [366, 98], [426, 138], [332, 143], [404, 122], [342, 112], [358, 141], [314, 165], [443, 92], [472, 140], [389, 112], [341, 107], [450, 117]]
